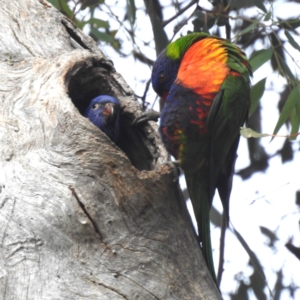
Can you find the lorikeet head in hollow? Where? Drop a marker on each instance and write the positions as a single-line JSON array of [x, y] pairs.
[[104, 112]]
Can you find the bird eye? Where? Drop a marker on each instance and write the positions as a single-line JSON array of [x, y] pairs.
[[95, 106], [161, 77]]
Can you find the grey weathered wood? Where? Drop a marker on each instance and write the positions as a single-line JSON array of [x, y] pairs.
[[80, 218]]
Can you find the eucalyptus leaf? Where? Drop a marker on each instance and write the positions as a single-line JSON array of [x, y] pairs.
[[90, 3], [249, 28], [66, 9], [267, 16], [291, 40], [257, 92], [102, 36], [289, 23], [250, 133], [286, 112], [254, 260], [287, 71], [260, 5], [99, 23], [55, 3], [260, 57], [131, 11], [295, 124]]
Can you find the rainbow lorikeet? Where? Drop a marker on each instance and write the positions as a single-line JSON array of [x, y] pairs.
[[205, 82], [104, 112]]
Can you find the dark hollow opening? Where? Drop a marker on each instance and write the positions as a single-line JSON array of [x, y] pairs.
[[87, 82]]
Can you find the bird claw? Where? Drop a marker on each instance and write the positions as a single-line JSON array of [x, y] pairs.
[[175, 167], [149, 115], [107, 64]]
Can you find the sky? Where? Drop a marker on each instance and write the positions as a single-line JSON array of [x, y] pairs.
[[266, 199]]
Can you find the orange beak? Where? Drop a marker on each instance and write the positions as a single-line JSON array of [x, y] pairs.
[[108, 112]]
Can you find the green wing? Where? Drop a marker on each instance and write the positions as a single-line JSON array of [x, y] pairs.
[[228, 113]]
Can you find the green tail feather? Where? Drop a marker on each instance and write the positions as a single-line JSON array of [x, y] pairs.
[[197, 184]]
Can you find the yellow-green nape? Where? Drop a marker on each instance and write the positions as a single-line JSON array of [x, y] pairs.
[[176, 49], [173, 50]]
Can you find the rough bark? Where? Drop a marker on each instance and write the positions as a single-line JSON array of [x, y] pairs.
[[82, 218]]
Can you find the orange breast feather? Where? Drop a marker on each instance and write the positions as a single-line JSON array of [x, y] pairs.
[[203, 67]]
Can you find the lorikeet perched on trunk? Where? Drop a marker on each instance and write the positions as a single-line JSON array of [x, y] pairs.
[[205, 82], [104, 112]]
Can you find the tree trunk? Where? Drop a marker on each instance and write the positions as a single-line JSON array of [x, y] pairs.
[[82, 218]]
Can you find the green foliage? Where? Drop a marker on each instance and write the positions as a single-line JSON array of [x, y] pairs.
[[257, 92], [291, 40], [259, 58], [97, 28], [260, 5], [131, 11], [258, 277], [290, 110], [249, 133], [90, 3], [256, 29], [62, 6], [291, 24], [249, 28]]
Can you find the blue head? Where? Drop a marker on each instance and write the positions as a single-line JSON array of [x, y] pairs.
[[164, 73], [104, 112]]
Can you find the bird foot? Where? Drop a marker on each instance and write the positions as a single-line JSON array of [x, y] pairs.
[[148, 115], [175, 167]]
